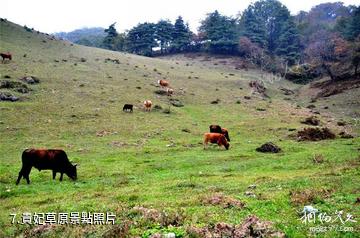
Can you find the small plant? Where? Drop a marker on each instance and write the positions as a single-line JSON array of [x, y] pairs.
[[318, 159]]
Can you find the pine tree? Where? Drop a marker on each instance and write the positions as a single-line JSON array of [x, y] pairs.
[[289, 42], [181, 36], [220, 32], [109, 40], [141, 39], [353, 29], [253, 27], [268, 24], [164, 34]]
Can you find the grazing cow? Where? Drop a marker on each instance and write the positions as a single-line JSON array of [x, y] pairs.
[[218, 129], [147, 105], [215, 138], [6, 56], [163, 83], [43, 159], [128, 108]]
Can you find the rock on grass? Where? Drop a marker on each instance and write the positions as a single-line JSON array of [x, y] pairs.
[[4, 96], [269, 147]]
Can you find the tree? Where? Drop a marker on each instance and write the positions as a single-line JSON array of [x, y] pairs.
[[220, 32], [181, 36], [268, 23], [253, 27], [331, 52], [109, 40], [250, 50], [164, 34], [141, 39], [289, 43], [119, 42], [355, 57]]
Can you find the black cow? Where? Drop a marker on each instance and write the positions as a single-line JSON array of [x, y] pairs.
[[43, 159], [218, 129], [128, 107]]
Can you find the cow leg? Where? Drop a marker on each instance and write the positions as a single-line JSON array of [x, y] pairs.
[[20, 175], [205, 144], [26, 174], [54, 174], [61, 176]]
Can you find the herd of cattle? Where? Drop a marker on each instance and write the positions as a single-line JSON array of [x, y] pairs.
[[165, 85], [57, 160]]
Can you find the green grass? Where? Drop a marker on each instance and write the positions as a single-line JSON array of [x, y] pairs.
[[133, 164]]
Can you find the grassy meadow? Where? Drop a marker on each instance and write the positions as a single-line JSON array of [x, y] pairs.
[[156, 159]]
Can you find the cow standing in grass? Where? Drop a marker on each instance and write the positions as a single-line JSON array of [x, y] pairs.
[[163, 83], [147, 105], [6, 56], [43, 159], [215, 138], [128, 108]]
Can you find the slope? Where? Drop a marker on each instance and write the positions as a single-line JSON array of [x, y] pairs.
[[156, 160]]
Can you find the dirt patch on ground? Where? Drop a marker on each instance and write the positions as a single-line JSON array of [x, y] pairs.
[[312, 120], [269, 147], [165, 218], [118, 230], [39, 230], [251, 227], [345, 135], [224, 201], [315, 134], [330, 87], [309, 196], [103, 133], [258, 87]]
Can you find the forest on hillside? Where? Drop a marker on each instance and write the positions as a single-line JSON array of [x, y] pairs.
[[322, 42]]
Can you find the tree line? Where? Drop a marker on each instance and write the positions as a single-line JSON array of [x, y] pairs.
[[265, 33]]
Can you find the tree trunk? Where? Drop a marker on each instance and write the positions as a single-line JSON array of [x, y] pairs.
[[328, 70]]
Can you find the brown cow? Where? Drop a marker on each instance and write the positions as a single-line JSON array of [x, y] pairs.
[[43, 159], [215, 138], [218, 129], [147, 105], [6, 56], [163, 83]]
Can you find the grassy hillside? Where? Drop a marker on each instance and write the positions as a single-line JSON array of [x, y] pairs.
[[156, 160]]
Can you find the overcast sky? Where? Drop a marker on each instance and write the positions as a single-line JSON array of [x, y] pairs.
[[67, 15]]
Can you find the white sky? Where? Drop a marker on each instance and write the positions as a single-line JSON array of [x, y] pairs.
[[67, 15]]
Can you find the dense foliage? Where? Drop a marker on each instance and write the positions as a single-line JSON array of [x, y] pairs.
[[265, 34]]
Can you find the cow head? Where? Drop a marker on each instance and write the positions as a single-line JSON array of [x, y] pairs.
[[72, 173], [227, 145], [223, 141], [225, 133]]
